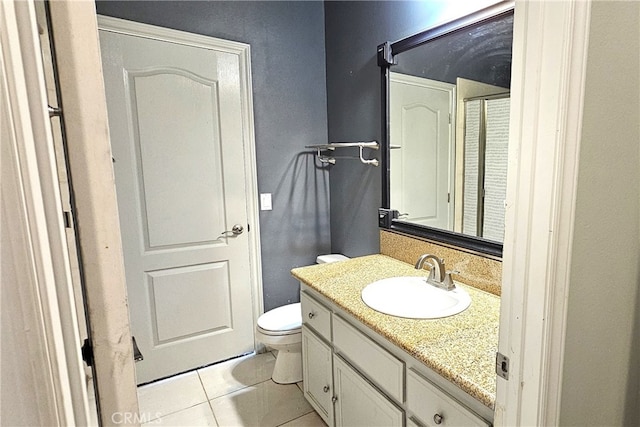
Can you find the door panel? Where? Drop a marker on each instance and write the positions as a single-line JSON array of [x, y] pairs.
[[171, 215], [178, 292], [175, 114]]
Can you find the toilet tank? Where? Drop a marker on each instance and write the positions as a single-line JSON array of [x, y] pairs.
[[324, 259]]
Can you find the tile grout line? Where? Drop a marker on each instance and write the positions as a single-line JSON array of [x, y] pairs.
[[188, 407], [175, 412], [206, 395], [209, 400], [240, 389], [297, 418]]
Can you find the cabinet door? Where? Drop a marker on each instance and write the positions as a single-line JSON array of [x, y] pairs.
[[358, 402], [317, 374]]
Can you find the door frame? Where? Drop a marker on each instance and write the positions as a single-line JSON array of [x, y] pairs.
[[549, 69], [243, 51], [49, 323], [82, 98]]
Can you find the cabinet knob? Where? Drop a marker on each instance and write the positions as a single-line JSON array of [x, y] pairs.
[[325, 389], [437, 418], [312, 315], [334, 399]]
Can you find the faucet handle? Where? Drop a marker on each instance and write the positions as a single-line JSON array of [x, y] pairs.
[[448, 281]]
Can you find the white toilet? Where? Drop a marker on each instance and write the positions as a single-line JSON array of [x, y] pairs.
[[281, 329]]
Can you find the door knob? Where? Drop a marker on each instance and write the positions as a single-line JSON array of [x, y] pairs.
[[236, 230]]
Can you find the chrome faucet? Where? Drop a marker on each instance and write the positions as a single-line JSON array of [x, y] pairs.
[[438, 276]]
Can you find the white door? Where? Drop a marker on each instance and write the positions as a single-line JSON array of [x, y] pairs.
[[176, 122], [422, 158]]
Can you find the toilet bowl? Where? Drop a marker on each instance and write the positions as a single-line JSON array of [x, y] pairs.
[[281, 329]]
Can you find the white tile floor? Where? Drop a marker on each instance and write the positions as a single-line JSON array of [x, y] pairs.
[[238, 392]]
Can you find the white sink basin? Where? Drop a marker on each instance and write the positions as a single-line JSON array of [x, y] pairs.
[[414, 298]]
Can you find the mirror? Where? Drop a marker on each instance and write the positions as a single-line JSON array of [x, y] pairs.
[[446, 123]]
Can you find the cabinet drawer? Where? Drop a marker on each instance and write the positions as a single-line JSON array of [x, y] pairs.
[[434, 407], [376, 363], [316, 315]]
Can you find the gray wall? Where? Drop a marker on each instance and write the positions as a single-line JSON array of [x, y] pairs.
[[288, 66], [354, 29]]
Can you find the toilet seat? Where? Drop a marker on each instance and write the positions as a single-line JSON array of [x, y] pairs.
[[285, 320]]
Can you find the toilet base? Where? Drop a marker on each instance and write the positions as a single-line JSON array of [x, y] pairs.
[[288, 368]]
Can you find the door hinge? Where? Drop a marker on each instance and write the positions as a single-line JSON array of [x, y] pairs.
[[67, 219], [53, 111], [448, 197], [502, 365], [87, 352], [137, 355]]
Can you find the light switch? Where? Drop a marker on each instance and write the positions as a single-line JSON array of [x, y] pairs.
[[265, 202]]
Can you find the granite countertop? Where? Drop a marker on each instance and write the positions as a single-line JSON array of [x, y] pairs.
[[461, 348]]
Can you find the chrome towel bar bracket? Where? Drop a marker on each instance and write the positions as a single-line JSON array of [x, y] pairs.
[[333, 145]]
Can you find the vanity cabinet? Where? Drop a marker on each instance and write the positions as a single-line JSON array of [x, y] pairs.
[[433, 407], [375, 363], [358, 403], [352, 377], [317, 374]]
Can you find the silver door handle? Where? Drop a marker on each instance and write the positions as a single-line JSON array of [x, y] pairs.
[[236, 230]]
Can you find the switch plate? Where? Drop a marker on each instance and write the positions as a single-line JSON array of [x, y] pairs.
[[265, 202]]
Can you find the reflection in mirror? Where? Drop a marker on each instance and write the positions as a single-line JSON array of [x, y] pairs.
[[448, 116], [484, 174]]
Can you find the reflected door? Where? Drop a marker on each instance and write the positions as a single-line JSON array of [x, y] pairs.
[[422, 144], [175, 116]]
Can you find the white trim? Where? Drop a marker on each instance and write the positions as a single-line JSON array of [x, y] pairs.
[[243, 51], [75, 35], [549, 65], [42, 210], [251, 173], [138, 29]]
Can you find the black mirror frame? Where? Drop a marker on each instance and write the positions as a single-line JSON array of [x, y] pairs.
[[386, 58]]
